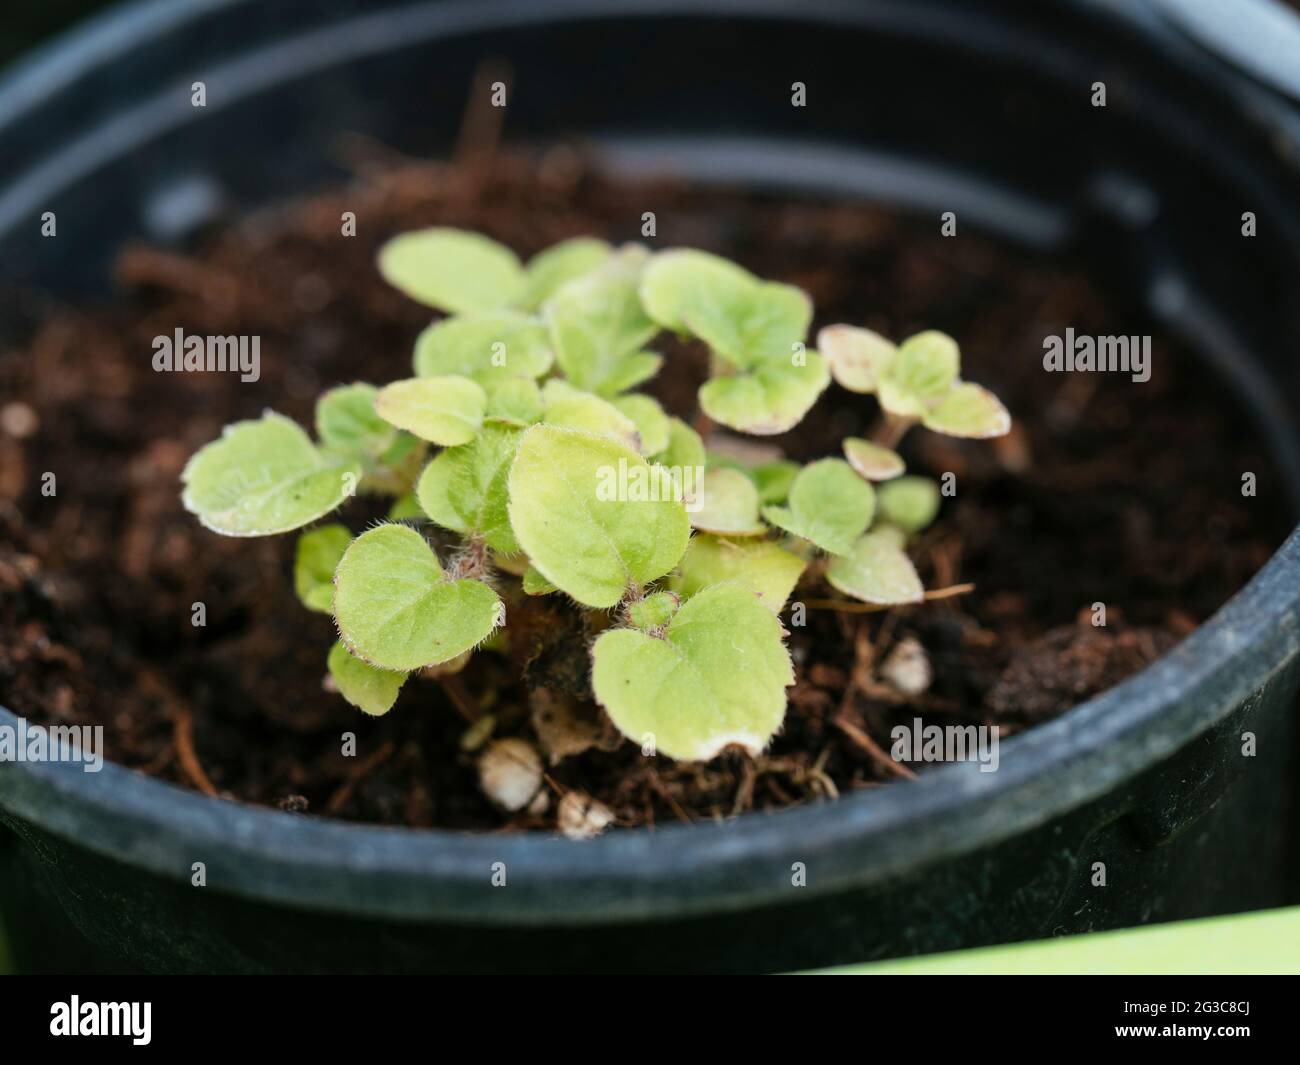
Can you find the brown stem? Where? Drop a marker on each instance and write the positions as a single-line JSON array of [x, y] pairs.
[[459, 697], [872, 749], [472, 561], [891, 430], [183, 736], [871, 608]]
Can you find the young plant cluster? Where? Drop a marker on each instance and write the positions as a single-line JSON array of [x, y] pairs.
[[522, 434]]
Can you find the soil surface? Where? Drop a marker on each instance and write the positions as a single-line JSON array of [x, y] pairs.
[[1107, 491]]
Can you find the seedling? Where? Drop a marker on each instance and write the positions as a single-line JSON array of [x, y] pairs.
[[521, 438]]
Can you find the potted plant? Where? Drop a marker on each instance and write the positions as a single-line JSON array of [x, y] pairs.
[[1140, 804]]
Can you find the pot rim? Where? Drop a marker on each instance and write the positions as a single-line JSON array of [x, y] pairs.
[[675, 870]]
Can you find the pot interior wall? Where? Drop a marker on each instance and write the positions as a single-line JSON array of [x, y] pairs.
[[929, 104]]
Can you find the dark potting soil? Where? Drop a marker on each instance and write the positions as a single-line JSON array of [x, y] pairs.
[[1107, 491]]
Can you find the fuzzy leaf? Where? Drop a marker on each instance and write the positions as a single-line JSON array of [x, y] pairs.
[[728, 505], [405, 508], [649, 418], [535, 583], [970, 411], [368, 689], [548, 270], [762, 566], [911, 502], [773, 398], [774, 480], [489, 348], [515, 401], [829, 504], [346, 421], [567, 514], [264, 477], [877, 570], [451, 269], [464, 488], [396, 609], [872, 461], [742, 319], [681, 280], [630, 371], [597, 321], [444, 410], [716, 677], [923, 369], [857, 357], [571, 408], [684, 450], [654, 611], [314, 561]]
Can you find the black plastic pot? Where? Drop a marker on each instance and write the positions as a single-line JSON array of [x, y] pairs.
[[982, 109]]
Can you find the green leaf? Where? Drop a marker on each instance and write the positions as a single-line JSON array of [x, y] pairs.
[[682, 280], [535, 583], [762, 566], [597, 321], [570, 259], [970, 411], [910, 502], [742, 319], [923, 369], [728, 505], [649, 418], [877, 570], [396, 609], [773, 398], [454, 270], [444, 410], [368, 689], [653, 612], [489, 348], [405, 508], [464, 488], [857, 357], [576, 512], [570, 408], [630, 371], [684, 450], [314, 561], [829, 504], [346, 421], [774, 480], [716, 677], [515, 401], [872, 461], [264, 477]]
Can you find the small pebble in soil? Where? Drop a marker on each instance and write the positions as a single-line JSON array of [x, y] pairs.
[[510, 773], [581, 817], [907, 667], [18, 420]]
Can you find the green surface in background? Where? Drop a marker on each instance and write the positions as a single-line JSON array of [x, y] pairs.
[[1265, 942]]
